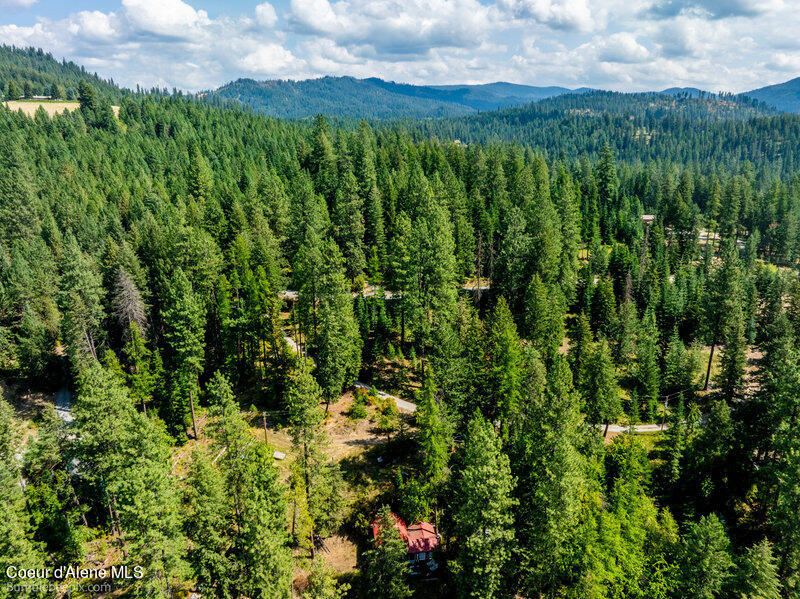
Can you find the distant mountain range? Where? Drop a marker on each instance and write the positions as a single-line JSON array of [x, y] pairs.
[[375, 98], [783, 96]]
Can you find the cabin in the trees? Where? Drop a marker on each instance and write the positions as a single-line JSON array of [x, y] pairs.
[[421, 541]]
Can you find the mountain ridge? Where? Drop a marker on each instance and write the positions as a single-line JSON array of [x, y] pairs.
[[783, 96], [346, 96], [372, 97]]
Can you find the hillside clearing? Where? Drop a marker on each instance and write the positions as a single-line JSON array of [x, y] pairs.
[[51, 107]]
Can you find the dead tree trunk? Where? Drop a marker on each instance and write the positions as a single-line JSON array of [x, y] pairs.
[[710, 359], [191, 404]]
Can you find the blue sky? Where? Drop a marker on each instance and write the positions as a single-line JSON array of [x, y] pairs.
[[721, 45]]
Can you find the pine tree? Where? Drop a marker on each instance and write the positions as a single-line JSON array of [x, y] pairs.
[[647, 371], [322, 582], [129, 307], [141, 376], [348, 221], [544, 317], [624, 333], [12, 91], [17, 547], [722, 307], [604, 308], [707, 562], [260, 557], [81, 302], [602, 396], [564, 196], [199, 178], [264, 558], [607, 190], [318, 477], [733, 361], [546, 460], [125, 456], [785, 517], [676, 443], [581, 339], [386, 565], [506, 375], [435, 432], [375, 231], [757, 575], [50, 496], [338, 343], [543, 226], [184, 331], [401, 280], [482, 515], [434, 263], [19, 218], [512, 268], [323, 160], [206, 526]]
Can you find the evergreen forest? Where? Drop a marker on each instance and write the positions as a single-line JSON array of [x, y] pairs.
[[229, 344]]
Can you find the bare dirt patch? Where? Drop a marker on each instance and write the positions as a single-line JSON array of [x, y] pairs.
[[348, 437]]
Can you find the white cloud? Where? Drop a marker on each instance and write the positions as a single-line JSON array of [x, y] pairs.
[[268, 59], [93, 26], [561, 14], [168, 18], [266, 15], [396, 28], [622, 47]]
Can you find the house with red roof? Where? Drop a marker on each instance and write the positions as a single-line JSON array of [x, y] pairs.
[[421, 541]]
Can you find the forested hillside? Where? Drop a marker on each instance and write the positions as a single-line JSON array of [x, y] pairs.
[[373, 98], [26, 72], [711, 131], [783, 96], [201, 287], [335, 96]]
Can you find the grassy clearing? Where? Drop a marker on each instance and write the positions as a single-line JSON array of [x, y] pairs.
[[51, 107]]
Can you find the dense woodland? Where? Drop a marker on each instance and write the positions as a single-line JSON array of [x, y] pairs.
[[712, 132], [33, 72], [343, 97], [373, 98], [143, 263]]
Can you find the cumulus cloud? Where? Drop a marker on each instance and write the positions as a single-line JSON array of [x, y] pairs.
[[396, 27], [561, 14], [92, 26], [167, 18], [622, 47], [268, 59], [266, 15]]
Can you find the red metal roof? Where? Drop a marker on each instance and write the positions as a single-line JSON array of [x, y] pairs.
[[398, 524], [419, 537], [422, 537]]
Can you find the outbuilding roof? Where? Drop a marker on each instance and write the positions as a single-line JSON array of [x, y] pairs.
[[422, 537], [419, 537]]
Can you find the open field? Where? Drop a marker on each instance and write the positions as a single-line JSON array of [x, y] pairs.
[[51, 107]]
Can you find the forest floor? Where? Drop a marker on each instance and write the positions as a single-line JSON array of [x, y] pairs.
[[365, 455]]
